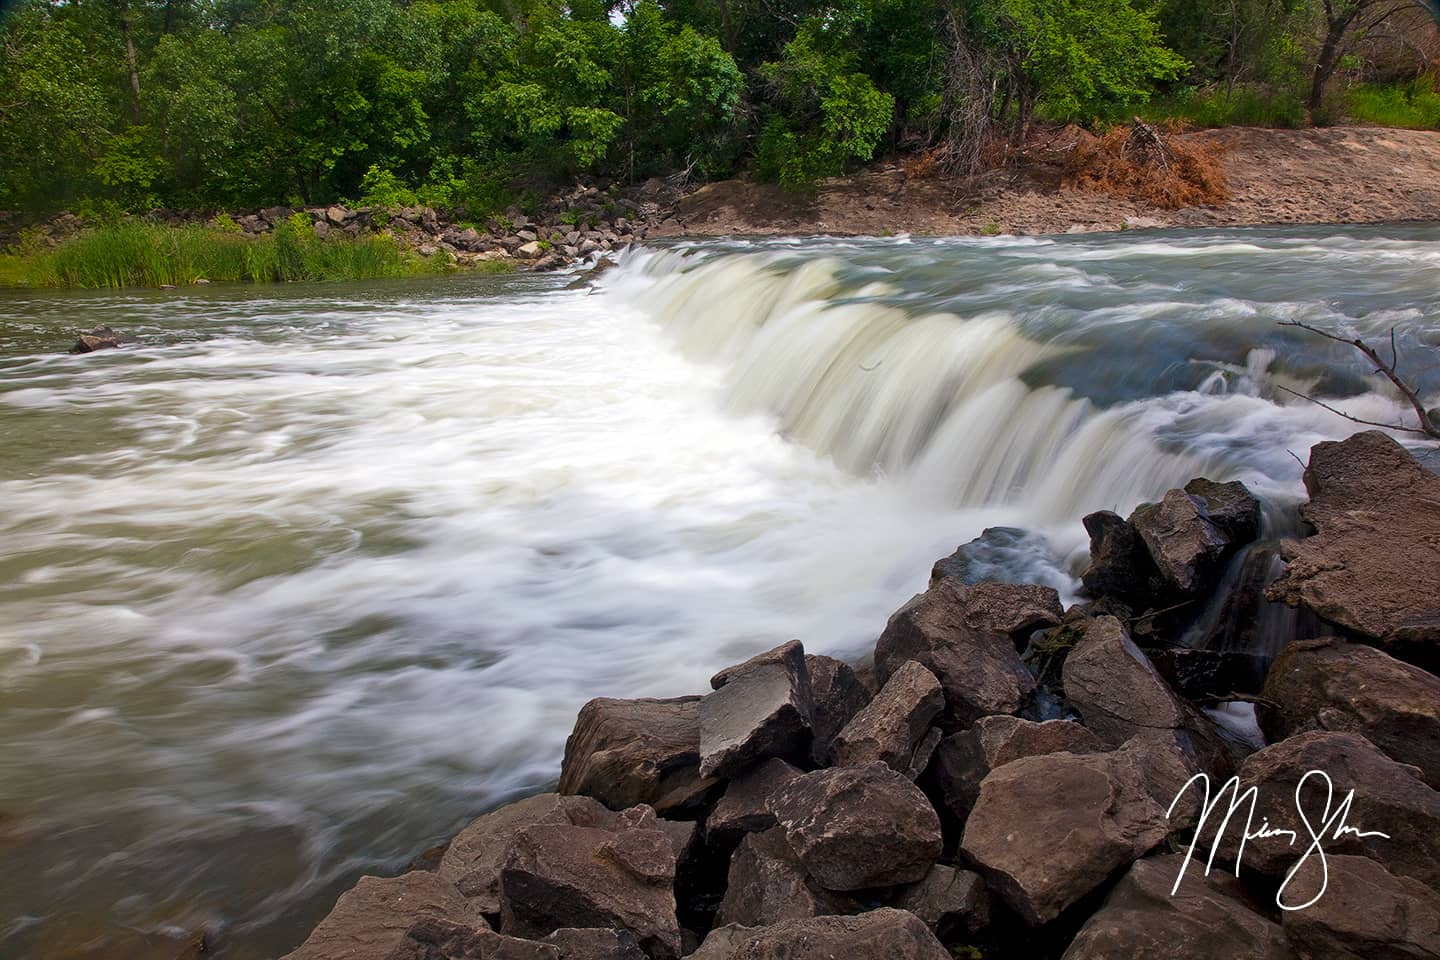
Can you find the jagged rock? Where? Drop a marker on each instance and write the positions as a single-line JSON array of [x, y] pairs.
[[1084, 816], [743, 807], [953, 903], [373, 918], [436, 939], [100, 338], [1363, 913], [893, 725], [1187, 548], [1118, 693], [858, 827], [1389, 797], [1207, 918], [338, 216], [884, 934], [1120, 566], [837, 694], [474, 857], [975, 661], [1230, 506], [767, 884], [1328, 684], [760, 708], [624, 752], [1373, 565], [964, 760], [557, 876]]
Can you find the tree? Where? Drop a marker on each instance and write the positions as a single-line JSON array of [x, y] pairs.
[[1345, 21]]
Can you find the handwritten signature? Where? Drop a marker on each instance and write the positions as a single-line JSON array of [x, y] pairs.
[[1331, 826]]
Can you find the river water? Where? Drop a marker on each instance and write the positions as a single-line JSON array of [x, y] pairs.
[[313, 574]]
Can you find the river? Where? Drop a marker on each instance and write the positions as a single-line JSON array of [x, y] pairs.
[[313, 574]]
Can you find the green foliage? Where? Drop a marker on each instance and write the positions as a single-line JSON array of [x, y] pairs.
[[1415, 105], [1245, 107], [382, 188]]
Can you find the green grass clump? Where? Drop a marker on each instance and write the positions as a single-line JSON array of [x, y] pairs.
[[1242, 107], [136, 253], [1414, 105]]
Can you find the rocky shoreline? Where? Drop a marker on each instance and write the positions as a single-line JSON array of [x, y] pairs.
[[1006, 778]]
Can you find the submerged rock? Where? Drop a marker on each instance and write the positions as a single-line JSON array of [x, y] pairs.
[[100, 338]]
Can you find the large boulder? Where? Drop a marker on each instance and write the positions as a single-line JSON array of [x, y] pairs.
[[1120, 566], [894, 724], [767, 884], [1206, 918], [1361, 912], [1047, 830], [1231, 507], [964, 760], [1389, 798], [373, 919], [760, 708], [963, 635], [1187, 547], [859, 827], [884, 934], [624, 752], [953, 903], [474, 857], [557, 876], [837, 694], [1373, 564], [1328, 684], [744, 807]]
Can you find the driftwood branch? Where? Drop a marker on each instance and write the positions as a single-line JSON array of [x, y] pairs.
[[1427, 427]]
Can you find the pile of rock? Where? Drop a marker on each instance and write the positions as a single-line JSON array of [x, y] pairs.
[[959, 798]]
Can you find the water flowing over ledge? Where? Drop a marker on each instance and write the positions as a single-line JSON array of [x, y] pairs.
[[312, 576]]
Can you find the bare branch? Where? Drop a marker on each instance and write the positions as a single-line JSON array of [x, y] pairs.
[[1426, 428]]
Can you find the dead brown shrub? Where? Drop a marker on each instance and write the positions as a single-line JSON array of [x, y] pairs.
[[1150, 165], [923, 166]]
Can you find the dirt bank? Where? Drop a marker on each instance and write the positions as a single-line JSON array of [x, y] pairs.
[[1335, 175]]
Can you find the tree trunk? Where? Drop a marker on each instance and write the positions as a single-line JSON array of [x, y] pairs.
[[1328, 60], [727, 29], [134, 69]]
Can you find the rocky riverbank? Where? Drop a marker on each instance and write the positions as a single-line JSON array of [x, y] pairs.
[[1005, 777]]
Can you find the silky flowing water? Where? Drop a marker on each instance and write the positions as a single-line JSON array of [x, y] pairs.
[[313, 574]]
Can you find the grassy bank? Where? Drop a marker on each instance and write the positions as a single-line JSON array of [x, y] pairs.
[[139, 254]]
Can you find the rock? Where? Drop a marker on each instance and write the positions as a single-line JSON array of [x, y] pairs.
[[1207, 918], [1143, 223], [338, 215], [1389, 797], [1120, 566], [1118, 693], [436, 939], [1230, 506], [373, 918], [275, 215], [977, 666], [836, 694], [767, 884], [998, 555], [322, 228], [526, 236], [964, 760], [557, 876], [744, 806], [953, 903], [1084, 816], [1328, 684], [894, 723], [1363, 913], [858, 827], [531, 250], [1376, 511], [1186, 547], [100, 338], [200, 282], [594, 943], [1202, 674], [553, 260], [884, 934], [474, 857], [760, 708]]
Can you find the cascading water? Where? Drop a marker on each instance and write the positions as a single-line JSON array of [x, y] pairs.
[[314, 574]]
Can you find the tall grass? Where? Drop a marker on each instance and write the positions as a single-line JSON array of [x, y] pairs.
[[1241, 107], [139, 254], [1414, 105]]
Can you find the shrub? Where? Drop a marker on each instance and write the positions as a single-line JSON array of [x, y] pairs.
[[1154, 166]]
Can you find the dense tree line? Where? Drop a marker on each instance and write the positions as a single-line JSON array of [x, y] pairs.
[[136, 103]]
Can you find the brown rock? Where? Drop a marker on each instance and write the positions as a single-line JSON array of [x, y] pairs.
[[373, 918], [624, 752], [837, 694], [859, 827], [1186, 547], [1373, 565], [1230, 506], [964, 760], [100, 338], [760, 709], [1327, 684], [557, 876], [1120, 566], [767, 884], [437, 939], [1207, 918], [878, 935], [953, 903], [1363, 912], [894, 724], [1084, 816], [744, 806], [978, 668]]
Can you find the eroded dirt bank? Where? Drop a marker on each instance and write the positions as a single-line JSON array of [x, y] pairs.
[[1334, 175]]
